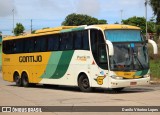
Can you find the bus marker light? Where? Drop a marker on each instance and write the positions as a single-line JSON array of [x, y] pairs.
[[93, 63], [133, 83]]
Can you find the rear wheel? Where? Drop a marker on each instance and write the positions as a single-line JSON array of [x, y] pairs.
[[83, 83], [17, 80], [25, 80]]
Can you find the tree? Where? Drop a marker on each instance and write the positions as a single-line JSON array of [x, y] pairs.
[[140, 22], [33, 32], [155, 4], [0, 32], [116, 23], [19, 29], [151, 27], [102, 21], [80, 19]]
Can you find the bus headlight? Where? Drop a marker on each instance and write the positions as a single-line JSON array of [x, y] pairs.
[[116, 77]]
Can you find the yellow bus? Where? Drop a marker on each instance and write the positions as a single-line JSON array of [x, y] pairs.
[[103, 56]]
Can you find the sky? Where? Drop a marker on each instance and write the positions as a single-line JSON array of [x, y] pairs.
[[51, 13]]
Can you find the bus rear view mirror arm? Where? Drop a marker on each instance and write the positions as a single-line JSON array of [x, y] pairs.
[[110, 48], [155, 47]]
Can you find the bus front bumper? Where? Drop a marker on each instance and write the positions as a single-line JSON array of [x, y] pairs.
[[129, 82]]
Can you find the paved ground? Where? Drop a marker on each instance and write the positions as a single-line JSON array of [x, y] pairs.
[[11, 95]]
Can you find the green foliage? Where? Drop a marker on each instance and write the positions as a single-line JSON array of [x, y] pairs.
[[102, 21], [158, 29], [45, 28], [0, 32], [33, 31], [136, 21], [116, 23], [19, 29], [155, 67], [140, 22], [151, 27], [155, 4], [154, 61], [80, 19]]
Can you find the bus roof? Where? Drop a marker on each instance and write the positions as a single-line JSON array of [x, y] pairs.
[[115, 26], [63, 29]]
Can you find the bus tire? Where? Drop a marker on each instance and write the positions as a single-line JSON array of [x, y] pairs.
[[17, 79], [25, 80], [83, 83]]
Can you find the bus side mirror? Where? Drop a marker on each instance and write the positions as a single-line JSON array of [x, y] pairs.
[[155, 47], [110, 48]]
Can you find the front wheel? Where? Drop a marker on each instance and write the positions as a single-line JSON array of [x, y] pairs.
[[83, 83]]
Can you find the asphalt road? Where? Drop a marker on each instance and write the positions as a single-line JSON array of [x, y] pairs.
[[11, 95]]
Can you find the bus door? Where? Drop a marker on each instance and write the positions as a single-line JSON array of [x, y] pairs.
[[99, 67]]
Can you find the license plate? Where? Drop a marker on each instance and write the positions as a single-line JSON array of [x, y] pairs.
[[133, 83]]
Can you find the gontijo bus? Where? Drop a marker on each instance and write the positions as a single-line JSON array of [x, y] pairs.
[[105, 56]]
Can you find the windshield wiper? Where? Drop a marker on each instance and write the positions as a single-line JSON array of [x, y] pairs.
[[139, 61]]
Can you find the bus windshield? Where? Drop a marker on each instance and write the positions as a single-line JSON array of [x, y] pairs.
[[123, 35], [130, 52], [129, 57]]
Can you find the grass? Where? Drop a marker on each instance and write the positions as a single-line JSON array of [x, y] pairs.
[[155, 62], [155, 69]]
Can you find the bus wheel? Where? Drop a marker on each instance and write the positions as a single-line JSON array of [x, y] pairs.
[[25, 80], [83, 83], [17, 79]]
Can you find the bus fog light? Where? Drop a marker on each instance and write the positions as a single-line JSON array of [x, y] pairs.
[[116, 77]]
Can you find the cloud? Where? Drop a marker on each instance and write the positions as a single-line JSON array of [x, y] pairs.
[[90, 7], [6, 7], [48, 8]]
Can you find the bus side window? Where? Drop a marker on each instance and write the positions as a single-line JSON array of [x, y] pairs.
[[63, 41], [102, 54], [53, 42], [69, 42], [40, 44], [18, 46], [43, 43], [11, 46], [77, 40], [99, 48], [28, 45], [85, 40], [6, 47], [94, 44]]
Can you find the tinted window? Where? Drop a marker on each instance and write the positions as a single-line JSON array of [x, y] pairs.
[[85, 40], [63, 42], [29, 45], [99, 48], [53, 42], [8, 47], [78, 40], [18, 46], [69, 42], [40, 44]]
